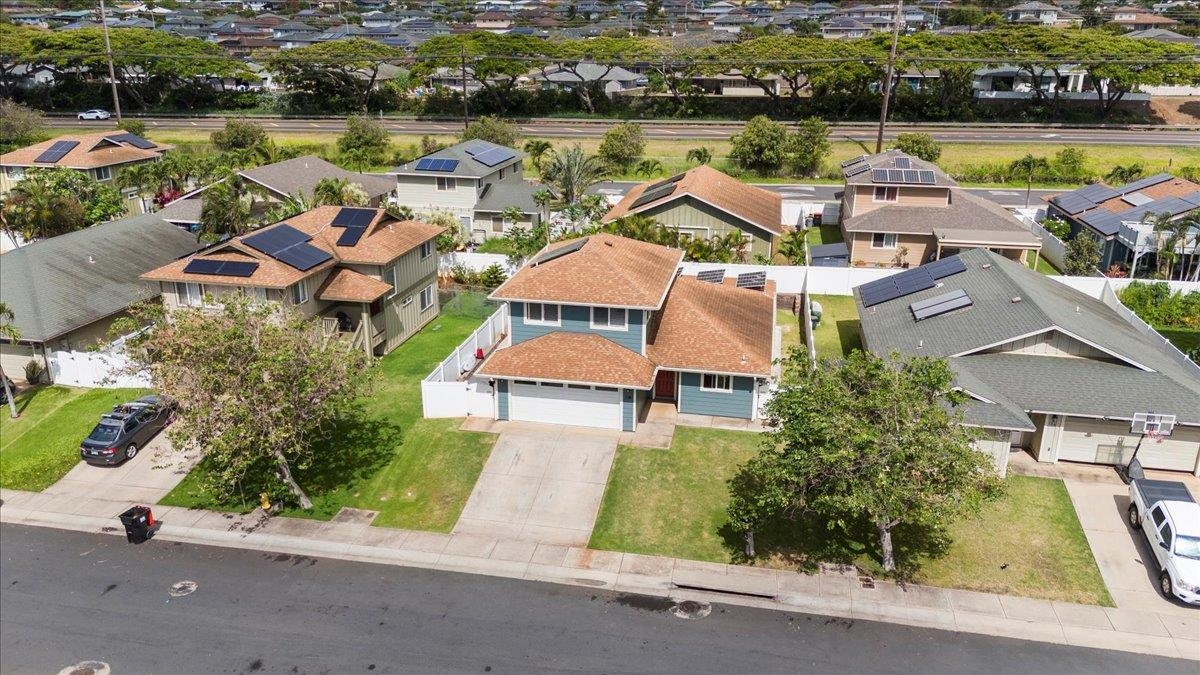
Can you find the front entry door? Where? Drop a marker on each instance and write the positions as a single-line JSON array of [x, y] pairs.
[[664, 385]]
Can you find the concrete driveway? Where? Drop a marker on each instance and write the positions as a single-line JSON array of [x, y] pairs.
[[542, 483], [146, 478]]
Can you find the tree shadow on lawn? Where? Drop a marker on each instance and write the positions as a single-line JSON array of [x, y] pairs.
[[357, 449], [806, 542]]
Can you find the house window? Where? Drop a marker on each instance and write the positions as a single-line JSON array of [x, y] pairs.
[[541, 314], [609, 318], [389, 277], [883, 240], [426, 250], [885, 194], [710, 382], [103, 172], [445, 183], [190, 295], [426, 297], [497, 223], [15, 172], [256, 294], [300, 292], [407, 301]]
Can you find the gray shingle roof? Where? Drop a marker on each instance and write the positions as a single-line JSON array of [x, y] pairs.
[[965, 217], [66, 282], [467, 166], [301, 175], [503, 194]]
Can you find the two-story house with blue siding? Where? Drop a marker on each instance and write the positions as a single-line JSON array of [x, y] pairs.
[[601, 326]]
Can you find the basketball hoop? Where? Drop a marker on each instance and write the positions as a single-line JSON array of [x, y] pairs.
[[1145, 425], [1154, 435]]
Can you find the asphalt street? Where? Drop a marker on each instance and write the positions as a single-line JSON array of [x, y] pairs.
[[1009, 197], [703, 130], [68, 597]]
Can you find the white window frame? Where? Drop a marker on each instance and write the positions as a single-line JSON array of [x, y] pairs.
[[716, 383], [407, 301], [891, 194], [183, 293], [446, 184], [389, 277], [608, 324], [540, 320], [299, 292], [895, 238], [103, 172], [426, 249], [426, 303]]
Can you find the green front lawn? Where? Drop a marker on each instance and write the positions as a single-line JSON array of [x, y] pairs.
[[1042, 265], [42, 445], [673, 503], [417, 473], [827, 233], [839, 332]]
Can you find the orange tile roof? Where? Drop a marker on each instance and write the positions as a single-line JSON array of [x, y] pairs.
[[608, 270], [754, 205], [91, 152], [1175, 187], [346, 285], [585, 358], [714, 328]]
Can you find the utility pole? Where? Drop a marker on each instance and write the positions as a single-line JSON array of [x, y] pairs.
[[466, 109], [112, 73], [887, 80]]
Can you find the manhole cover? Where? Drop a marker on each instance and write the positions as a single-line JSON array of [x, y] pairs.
[[691, 609], [87, 668], [182, 588]]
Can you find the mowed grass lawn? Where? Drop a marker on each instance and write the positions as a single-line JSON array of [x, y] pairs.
[[839, 332], [416, 473], [673, 502], [42, 445]]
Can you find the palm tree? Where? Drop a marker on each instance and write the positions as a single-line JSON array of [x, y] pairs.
[[543, 198], [270, 152], [699, 155], [1029, 165], [35, 210], [1165, 241], [573, 171], [1189, 235], [338, 192], [791, 246], [649, 168], [226, 209], [142, 177], [292, 205], [10, 331], [536, 149], [1119, 175]]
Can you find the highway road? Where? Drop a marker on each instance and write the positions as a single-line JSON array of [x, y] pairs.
[[701, 130], [1007, 197], [68, 597]]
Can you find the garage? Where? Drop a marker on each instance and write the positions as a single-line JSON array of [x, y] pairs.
[[557, 403], [1110, 442]]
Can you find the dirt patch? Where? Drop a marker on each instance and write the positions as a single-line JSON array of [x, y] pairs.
[[1182, 110]]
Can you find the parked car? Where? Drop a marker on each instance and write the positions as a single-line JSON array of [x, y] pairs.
[[125, 430], [94, 114], [1170, 517]]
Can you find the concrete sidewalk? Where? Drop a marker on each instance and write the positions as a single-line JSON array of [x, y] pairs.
[[833, 592]]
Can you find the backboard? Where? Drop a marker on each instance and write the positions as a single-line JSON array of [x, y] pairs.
[[1153, 424]]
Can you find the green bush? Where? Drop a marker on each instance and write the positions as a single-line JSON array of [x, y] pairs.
[[1159, 307]]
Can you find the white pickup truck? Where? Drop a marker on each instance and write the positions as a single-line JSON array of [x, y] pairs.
[[1170, 517]]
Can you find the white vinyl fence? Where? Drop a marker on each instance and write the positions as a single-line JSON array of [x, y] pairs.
[[1053, 248], [450, 390], [102, 369], [1109, 296], [476, 262]]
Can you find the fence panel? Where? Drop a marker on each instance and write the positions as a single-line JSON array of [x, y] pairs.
[[105, 370], [476, 262]]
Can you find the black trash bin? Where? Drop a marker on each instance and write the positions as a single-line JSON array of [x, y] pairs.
[[138, 521]]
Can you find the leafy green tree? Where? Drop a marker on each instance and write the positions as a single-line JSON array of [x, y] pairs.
[[701, 155], [53, 201], [453, 236], [1070, 164], [622, 146], [536, 149], [865, 439], [19, 125], [570, 57], [259, 387], [227, 208], [1058, 228], [493, 130], [810, 146], [966, 15], [133, 126], [921, 146], [365, 142], [572, 171], [1083, 256], [761, 147], [16, 50], [494, 61], [523, 242], [239, 134], [1121, 174], [339, 192], [492, 276], [10, 332], [335, 75]]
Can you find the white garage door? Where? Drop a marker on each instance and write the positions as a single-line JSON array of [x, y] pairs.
[[566, 404], [1109, 442]]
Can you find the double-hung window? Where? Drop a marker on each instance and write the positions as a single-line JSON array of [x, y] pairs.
[[103, 172], [300, 292], [609, 318], [711, 382], [257, 294], [883, 240], [542, 314], [884, 193], [426, 297], [426, 249], [446, 184], [389, 277], [189, 294]]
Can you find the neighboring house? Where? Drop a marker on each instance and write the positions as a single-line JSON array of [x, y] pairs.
[[495, 22], [703, 202], [66, 291], [1136, 18], [898, 211], [1048, 369], [600, 326], [1041, 13], [612, 80], [1116, 216], [289, 178], [100, 155], [1163, 35], [370, 278], [474, 180], [845, 29]]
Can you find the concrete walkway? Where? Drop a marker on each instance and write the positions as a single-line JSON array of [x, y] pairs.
[[833, 592], [148, 477]]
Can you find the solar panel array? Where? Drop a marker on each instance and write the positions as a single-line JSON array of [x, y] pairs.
[[436, 164], [559, 252], [903, 163], [653, 195], [940, 269], [856, 160], [911, 281], [132, 139], [289, 246], [353, 216], [228, 268], [1090, 196], [752, 280], [711, 276], [1109, 223], [477, 145], [497, 155], [55, 152], [940, 304], [666, 181], [904, 176], [857, 169]]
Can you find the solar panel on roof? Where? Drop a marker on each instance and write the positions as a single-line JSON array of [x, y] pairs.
[[436, 164], [1193, 199], [55, 152], [302, 256], [903, 163], [857, 169], [910, 176], [352, 216], [351, 235], [1073, 203], [476, 145], [711, 276], [856, 160], [752, 280], [926, 177], [653, 195], [132, 139], [495, 156], [1143, 183], [940, 269], [879, 291], [666, 181], [570, 247], [289, 246], [940, 304], [879, 175], [895, 176], [229, 268], [914, 280]]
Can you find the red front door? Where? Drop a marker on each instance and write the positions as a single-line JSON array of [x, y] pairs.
[[664, 385]]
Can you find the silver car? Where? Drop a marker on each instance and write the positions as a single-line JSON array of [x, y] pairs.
[[94, 114]]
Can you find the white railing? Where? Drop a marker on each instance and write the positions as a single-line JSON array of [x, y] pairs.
[[451, 389]]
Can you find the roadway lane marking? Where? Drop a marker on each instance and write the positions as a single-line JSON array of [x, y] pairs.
[[193, 124], [668, 131], [273, 124], [314, 125], [1049, 135]]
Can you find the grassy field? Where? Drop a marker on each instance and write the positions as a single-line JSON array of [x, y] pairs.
[[839, 332], [42, 445], [673, 504], [416, 472]]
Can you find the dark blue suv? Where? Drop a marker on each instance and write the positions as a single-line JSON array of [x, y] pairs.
[[125, 430]]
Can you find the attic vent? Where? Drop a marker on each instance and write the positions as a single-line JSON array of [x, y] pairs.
[[1016, 299], [986, 266]]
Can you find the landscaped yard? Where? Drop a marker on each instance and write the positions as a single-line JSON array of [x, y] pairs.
[[42, 445], [827, 233], [793, 336], [673, 504], [416, 472], [1042, 265], [839, 332]]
